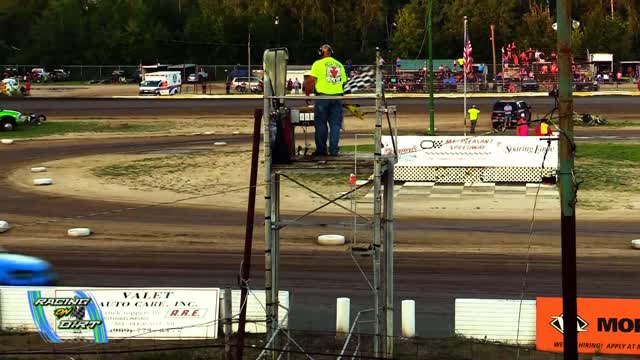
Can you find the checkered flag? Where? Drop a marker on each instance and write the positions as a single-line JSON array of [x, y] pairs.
[[79, 312], [362, 81]]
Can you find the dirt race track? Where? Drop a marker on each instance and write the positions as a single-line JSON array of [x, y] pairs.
[[437, 261]]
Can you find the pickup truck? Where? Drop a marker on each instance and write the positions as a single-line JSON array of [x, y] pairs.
[[10, 119]]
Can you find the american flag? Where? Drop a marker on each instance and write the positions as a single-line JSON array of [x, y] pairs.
[[466, 55]]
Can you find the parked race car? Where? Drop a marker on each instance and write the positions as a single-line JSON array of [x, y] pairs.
[[10, 119], [23, 270], [59, 75]]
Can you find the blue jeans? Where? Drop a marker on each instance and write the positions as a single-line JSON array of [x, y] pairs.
[[328, 112]]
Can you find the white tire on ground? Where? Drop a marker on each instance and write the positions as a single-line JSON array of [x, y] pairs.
[[635, 244], [208, 133], [236, 133], [219, 143], [7, 141], [42, 181], [38, 169], [4, 226], [331, 240], [79, 232]]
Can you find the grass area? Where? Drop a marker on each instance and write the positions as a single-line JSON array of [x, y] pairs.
[[608, 166], [619, 124], [362, 148], [71, 127], [60, 83]]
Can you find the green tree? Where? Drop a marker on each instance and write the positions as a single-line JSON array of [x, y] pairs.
[[536, 29], [409, 30]]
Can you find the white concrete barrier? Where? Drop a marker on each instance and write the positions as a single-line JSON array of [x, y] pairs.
[[635, 244], [496, 320]]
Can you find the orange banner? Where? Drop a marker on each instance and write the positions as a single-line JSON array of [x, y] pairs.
[[605, 326]]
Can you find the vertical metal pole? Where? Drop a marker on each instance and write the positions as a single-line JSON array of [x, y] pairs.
[[275, 256], [493, 47], [377, 208], [567, 184], [432, 121], [248, 239], [267, 205], [464, 72], [249, 60], [388, 258]]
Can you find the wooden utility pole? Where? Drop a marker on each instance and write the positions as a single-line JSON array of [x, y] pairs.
[[248, 238], [568, 186]]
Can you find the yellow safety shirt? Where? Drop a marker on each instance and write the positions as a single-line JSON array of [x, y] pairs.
[[330, 76], [473, 114]]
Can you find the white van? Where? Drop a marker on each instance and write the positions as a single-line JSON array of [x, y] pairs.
[[161, 83]]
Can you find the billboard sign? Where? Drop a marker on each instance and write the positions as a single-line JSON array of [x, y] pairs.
[[605, 326], [101, 314], [478, 151]]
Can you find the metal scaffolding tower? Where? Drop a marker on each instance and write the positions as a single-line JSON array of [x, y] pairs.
[[380, 165]]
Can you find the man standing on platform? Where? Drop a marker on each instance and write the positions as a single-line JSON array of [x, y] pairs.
[[327, 79]]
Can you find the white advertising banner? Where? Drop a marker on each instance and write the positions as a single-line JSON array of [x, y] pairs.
[[102, 314], [480, 151]]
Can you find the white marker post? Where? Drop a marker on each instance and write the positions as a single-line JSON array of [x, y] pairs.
[[343, 316], [408, 318]]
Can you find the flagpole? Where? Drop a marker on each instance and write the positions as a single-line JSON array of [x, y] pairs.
[[464, 71]]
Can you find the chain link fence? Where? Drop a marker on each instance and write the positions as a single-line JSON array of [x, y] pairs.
[[292, 345]]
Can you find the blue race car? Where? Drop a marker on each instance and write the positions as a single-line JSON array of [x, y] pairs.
[[22, 270]]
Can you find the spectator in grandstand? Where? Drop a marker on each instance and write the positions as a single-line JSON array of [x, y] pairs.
[[524, 59], [554, 57], [544, 69], [537, 55], [348, 67], [398, 64], [523, 72], [522, 128], [554, 68]]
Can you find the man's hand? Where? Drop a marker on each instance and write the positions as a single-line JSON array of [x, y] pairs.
[[309, 86]]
